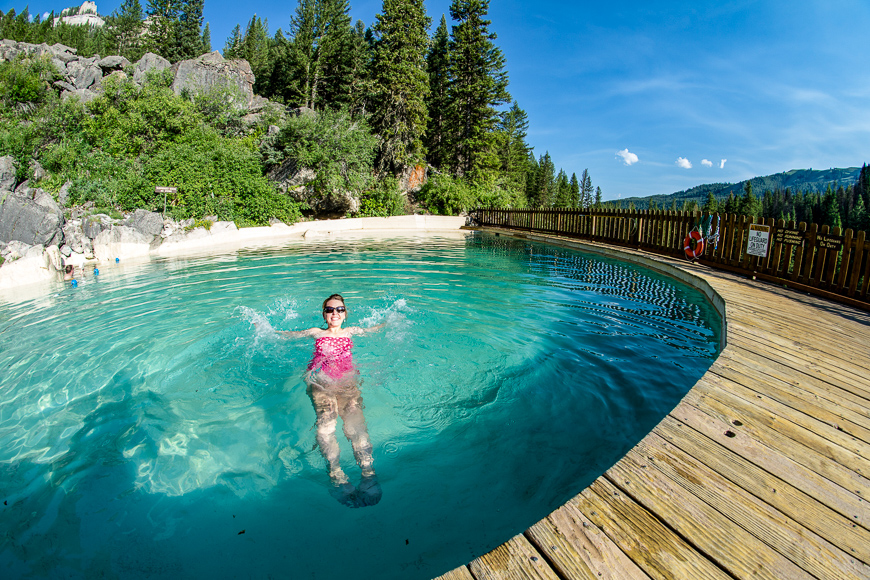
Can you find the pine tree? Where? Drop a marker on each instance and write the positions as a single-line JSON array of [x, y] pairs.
[[542, 190], [711, 206], [205, 40], [830, 211], [478, 85], [860, 219], [513, 150], [361, 52], [124, 31], [400, 83], [188, 29], [575, 190], [436, 138], [749, 204], [162, 38], [232, 47], [254, 48], [598, 196], [562, 190], [585, 189]]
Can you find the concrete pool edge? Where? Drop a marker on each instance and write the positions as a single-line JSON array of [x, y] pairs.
[[26, 279], [751, 475]]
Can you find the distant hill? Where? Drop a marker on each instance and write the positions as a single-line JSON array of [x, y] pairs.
[[796, 180]]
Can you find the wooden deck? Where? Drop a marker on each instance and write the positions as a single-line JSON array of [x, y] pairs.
[[760, 472]]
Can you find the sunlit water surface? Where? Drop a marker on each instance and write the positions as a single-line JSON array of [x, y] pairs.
[[148, 427]]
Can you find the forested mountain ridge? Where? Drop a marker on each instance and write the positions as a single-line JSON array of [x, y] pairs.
[[809, 180]]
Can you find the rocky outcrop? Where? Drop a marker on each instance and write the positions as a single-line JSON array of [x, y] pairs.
[[7, 173], [146, 222], [121, 241], [149, 62], [211, 70], [32, 217]]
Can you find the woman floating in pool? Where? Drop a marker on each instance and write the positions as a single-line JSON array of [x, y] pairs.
[[333, 385]]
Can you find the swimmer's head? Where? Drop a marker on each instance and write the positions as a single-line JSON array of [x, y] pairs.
[[335, 304]]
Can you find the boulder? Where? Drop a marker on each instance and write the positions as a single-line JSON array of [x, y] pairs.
[[93, 225], [146, 222], [121, 242], [34, 218], [113, 63], [212, 70], [149, 62], [63, 194], [33, 266], [76, 239], [119, 74], [7, 173], [38, 171], [83, 75], [84, 95]]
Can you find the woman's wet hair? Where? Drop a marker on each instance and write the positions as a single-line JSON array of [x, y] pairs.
[[334, 297]]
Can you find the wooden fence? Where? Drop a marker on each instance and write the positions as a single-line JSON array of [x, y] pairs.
[[818, 260]]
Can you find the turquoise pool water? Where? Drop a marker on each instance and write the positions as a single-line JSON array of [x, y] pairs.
[[150, 429]]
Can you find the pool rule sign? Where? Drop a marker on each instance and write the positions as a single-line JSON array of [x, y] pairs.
[[759, 240], [164, 191]]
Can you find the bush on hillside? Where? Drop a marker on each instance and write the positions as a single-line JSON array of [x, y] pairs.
[[448, 195], [384, 200]]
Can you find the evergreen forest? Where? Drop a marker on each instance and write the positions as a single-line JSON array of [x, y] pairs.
[[407, 98]]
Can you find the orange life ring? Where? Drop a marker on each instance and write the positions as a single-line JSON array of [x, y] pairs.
[[694, 245]]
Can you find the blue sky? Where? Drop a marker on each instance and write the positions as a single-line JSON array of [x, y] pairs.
[[656, 97]]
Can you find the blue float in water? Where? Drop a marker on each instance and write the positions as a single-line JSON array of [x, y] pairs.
[[96, 272], [117, 260], [75, 283]]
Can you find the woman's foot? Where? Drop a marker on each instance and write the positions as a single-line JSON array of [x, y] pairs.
[[346, 494], [369, 492]]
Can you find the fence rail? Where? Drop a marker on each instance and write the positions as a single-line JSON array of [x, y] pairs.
[[816, 259]]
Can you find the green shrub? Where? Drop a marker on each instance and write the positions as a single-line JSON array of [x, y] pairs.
[[215, 176], [339, 148], [222, 108], [26, 80], [447, 195], [127, 121], [383, 201]]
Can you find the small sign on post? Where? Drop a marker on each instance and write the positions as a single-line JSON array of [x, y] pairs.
[[759, 240], [164, 191]]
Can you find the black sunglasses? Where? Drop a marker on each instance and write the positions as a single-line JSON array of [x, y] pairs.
[[339, 309]]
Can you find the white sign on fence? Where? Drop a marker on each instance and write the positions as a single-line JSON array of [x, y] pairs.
[[759, 240]]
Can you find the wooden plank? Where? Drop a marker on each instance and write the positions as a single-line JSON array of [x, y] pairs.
[[823, 415], [847, 404], [844, 265], [746, 474], [860, 255], [848, 467], [788, 537], [799, 256], [803, 358], [460, 573], [516, 559], [720, 539], [577, 549], [656, 549], [774, 461]]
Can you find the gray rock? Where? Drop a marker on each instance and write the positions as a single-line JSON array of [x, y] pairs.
[[82, 74], [63, 194], [64, 86], [92, 226], [38, 171], [149, 61], [121, 242], [118, 74], [66, 251], [7, 173], [84, 95], [212, 70], [32, 220], [146, 222], [58, 48], [113, 63], [23, 187]]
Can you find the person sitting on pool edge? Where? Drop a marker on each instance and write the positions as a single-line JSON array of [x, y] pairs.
[[333, 385]]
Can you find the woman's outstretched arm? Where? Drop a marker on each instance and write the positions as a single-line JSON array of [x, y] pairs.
[[298, 333]]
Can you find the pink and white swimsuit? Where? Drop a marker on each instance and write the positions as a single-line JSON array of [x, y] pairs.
[[332, 355]]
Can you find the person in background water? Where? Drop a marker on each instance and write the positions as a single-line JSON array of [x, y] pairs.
[[333, 385], [68, 272]]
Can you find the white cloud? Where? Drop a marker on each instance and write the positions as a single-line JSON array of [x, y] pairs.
[[45, 15], [684, 163], [722, 164], [706, 163], [627, 157]]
